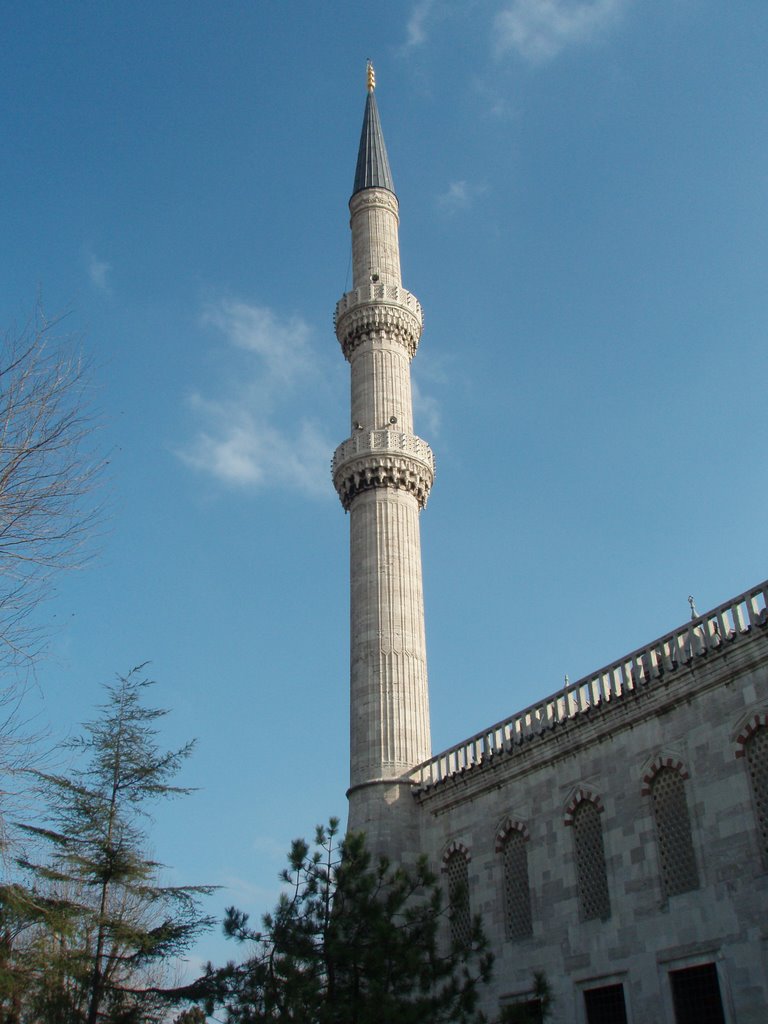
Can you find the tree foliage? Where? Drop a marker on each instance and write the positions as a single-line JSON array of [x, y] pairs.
[[92, 930], [352, 942]]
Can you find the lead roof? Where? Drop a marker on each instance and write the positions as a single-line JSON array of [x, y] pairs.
[[372, 164]]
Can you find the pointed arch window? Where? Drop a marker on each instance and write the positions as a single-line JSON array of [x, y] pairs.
[[673, 831], [456, 868], [591, 874], [513, 847], [756, 753]]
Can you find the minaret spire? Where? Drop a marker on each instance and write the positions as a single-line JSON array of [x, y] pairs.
[[383, 474], [372, 163]]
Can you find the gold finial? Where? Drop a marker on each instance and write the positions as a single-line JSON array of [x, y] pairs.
[[371, 77]]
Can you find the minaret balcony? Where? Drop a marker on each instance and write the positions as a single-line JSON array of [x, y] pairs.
[[383, 458], [378, 309]]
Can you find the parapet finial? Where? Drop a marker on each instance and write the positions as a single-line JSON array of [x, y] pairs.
[[692, 603], [371, 74]]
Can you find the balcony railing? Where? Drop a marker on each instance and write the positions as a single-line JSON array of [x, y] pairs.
[[644, 667], [391, 294], [389, 442]]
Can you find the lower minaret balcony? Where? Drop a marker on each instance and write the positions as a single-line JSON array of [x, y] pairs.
[[383, 458]]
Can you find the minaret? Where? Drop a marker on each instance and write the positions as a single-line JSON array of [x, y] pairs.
[[383, 474]]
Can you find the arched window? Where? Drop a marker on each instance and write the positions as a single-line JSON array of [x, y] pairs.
[[456, 868], [673, 830], [590, 861], [756, 753], [513, 847]]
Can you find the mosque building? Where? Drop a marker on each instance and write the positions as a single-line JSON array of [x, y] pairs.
[[612, 835]]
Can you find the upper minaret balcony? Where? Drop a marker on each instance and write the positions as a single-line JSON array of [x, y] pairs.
[[374, 307]]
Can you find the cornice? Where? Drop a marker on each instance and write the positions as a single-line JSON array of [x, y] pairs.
[[369, 197]]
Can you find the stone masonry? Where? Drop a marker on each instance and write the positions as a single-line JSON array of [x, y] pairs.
[[383, 474]]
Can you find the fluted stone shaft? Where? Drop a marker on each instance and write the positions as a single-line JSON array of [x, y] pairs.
[[390, 704], [381, 387], [383, 474], [375, 246]]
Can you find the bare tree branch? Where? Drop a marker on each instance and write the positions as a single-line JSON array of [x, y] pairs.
[[48, 512], [47, 477]]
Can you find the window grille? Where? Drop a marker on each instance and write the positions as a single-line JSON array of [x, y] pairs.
[[605, 1005], [756, 750], [696, 995], [458, 898], [526, 1011], [590, 862], [673, 829], [517, 893]]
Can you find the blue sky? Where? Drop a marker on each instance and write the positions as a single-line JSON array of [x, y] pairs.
[[583, 191]]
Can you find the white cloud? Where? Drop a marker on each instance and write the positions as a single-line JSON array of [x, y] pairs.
[[98, 272], [249, 435], [282, 344], [459, 195], [243, 449], [540, 29], [415, 31]]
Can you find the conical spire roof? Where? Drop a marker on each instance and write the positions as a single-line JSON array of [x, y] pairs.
[[372, 164]]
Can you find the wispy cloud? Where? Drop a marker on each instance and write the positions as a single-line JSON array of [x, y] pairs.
[[249, 434], [282, 344], [415, 29], [459, 195], [426, 411], [98, 272], [539, 30], [241, 891]]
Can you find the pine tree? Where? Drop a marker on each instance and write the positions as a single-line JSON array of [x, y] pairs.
[[351, 943], [101, 926]]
